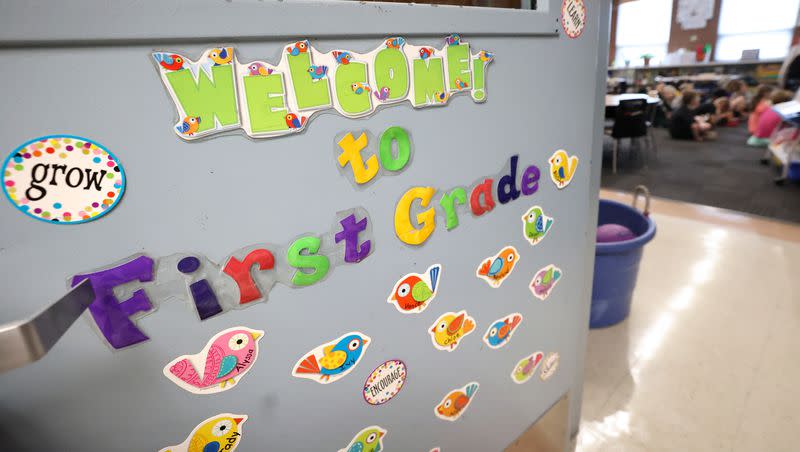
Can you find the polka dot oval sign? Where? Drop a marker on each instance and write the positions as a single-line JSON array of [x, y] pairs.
[[573, 17], [63, 179], [385, 382]]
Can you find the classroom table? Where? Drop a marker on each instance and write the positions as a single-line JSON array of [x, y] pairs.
[[612, 100]]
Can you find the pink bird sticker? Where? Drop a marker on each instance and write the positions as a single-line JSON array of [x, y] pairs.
[[526, 367], [226, 358]]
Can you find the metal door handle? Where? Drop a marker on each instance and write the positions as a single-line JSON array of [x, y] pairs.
[[25, 341]]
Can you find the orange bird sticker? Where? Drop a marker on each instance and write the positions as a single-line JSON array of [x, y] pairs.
[[495, 269], [454, 404]]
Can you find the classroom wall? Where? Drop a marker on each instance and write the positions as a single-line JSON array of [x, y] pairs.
[[680, 38], [691, 39]]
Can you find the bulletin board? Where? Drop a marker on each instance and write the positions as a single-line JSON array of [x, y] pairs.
[[406, 273]]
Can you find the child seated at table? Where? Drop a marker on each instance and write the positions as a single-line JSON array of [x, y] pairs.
[[769, 120], [686, 124]]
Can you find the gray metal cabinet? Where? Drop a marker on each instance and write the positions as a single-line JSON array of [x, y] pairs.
[[85, 68]]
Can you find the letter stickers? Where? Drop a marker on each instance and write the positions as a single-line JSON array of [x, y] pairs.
[[217, 92]]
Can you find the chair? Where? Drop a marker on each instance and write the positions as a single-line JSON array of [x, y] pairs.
[[652, 111], [630, 122]]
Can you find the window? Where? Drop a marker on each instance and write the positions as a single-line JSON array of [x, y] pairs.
[[766, 25], [643, 28], [513, 4]]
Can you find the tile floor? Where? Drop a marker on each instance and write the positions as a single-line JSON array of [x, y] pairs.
[[708, 359]]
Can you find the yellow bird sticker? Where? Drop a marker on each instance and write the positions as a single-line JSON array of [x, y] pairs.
[[220, 432], [562, 168], [450, 328]]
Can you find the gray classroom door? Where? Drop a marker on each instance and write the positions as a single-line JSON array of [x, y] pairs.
[[87, 69]]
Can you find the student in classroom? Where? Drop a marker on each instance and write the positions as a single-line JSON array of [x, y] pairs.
[[686, 124], [770, 119], [724, 115], [760, 104], [667, 94], [738, 97]]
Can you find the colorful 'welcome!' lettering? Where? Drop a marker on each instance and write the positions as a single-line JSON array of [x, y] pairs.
[[217, 93]]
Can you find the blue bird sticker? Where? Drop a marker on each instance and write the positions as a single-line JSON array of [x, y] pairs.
[[333, 360], [501, 330], [453, 40], [317, 72]]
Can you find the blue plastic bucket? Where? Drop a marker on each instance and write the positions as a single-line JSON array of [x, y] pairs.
[[616, 264], [794, 171]]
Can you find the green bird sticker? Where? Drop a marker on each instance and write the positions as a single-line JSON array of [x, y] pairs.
[[369, 439], [536, 225]]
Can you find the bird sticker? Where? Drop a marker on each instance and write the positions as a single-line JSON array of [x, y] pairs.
[[461, 84], [414, 292], [441, 97], [259, 69], [342, 57], [425, 53], [382, 94], [453, 40], [486, 57], [562, 168], [298, 48], [536, 225], [369, 439], [333, 360], [526, 367], [451, 327], [169, 61], [226, 358], [495, 269], [222, 432], [549, 366], [454, 404], [359, 88], [545, 281], [317, 72], [189, 125], [501, 330], [395, 43], [221, 56], [294, 122]]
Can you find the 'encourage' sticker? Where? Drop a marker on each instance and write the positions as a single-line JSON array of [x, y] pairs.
[[63, 179]]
